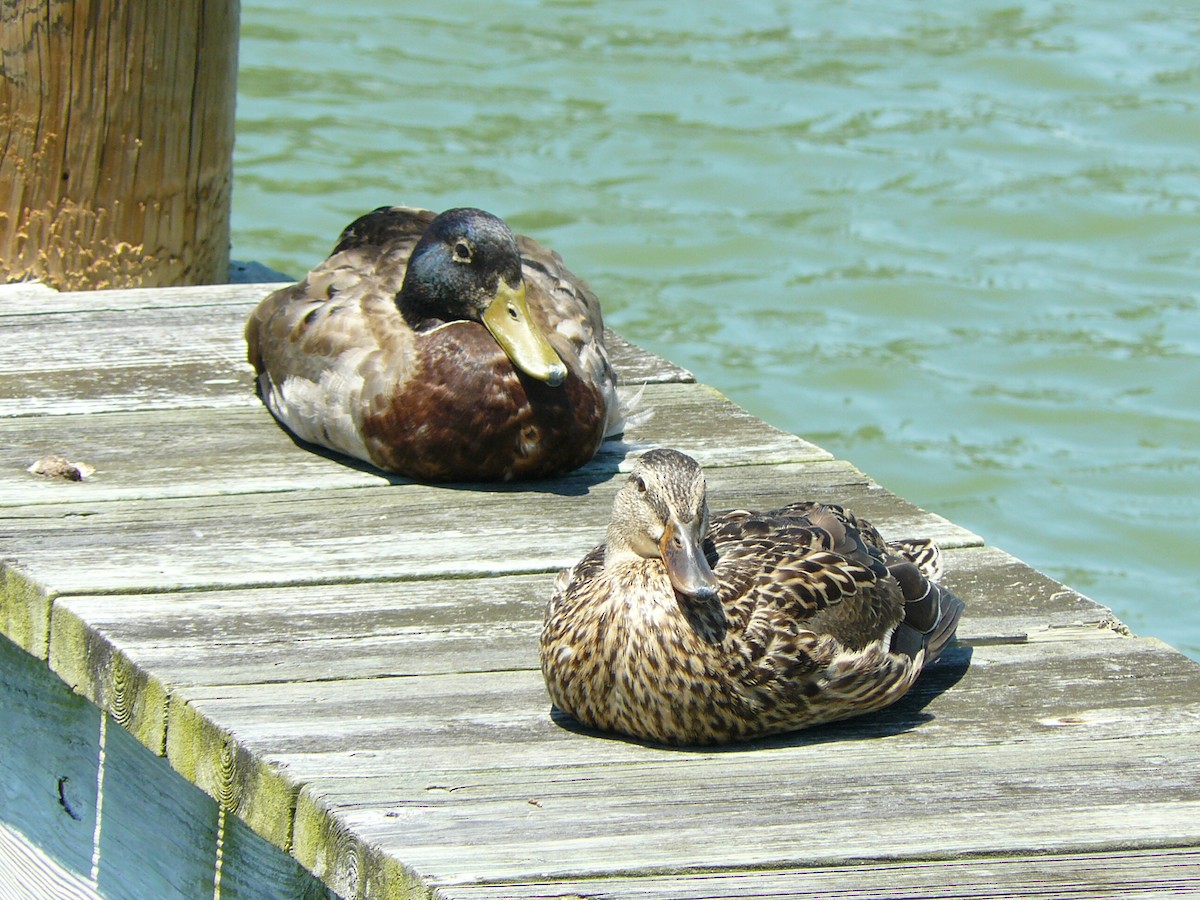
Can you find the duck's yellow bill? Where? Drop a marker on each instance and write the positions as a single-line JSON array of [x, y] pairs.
[[507, 318]]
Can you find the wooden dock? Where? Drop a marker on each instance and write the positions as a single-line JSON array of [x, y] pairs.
[[281, 663]]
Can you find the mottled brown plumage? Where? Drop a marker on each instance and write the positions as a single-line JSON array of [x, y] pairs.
[[688, 629], [439, 347]]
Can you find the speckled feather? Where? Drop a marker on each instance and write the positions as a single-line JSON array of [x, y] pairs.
[[339, 366], [809, 624]]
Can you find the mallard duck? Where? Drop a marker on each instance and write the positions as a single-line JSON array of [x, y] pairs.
[[687, 627], [442, 347]]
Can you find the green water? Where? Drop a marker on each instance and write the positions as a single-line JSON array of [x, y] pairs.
[[960, 249]]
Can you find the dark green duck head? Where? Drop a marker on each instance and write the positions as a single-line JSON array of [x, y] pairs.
[[467, 266]]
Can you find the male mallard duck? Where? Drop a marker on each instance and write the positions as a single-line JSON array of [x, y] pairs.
[[442, 347], [688, 629]]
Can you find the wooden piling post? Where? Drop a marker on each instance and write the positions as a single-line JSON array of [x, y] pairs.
[[116, 156]]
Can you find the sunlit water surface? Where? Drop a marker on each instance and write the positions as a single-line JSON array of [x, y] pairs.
[[958, 248]]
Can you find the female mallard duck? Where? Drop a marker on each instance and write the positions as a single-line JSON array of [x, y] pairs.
[[686, 629], [439, 347]]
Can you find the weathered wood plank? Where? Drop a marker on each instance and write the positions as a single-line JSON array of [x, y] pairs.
[[182, 383], [49, 760], [133, 694], [39, 874], [122, 651], [152, 816], [348, 661], [635, 365], [958, 783], [1006, 732], [105, 358], [89, 812], [1008, 601], [24, 610], [607, 835], [112, 351], [211, 759], [397, 624], [127, 653], [241, 450], [349, 534], [1101, 686], [1148, 873], [357, 631], [549, 854], [68, 357], [255, 869], [36, 299]]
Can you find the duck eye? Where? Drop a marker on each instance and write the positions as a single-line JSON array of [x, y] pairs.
[[639, 484], [462, 251]]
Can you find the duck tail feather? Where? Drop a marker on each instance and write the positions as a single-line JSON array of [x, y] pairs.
[[930, 622], [627, 412]]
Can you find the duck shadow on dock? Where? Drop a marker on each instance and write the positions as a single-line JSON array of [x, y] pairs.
[[600, 469]]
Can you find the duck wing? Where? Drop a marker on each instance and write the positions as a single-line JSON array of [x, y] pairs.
[[809, 569], [387, 226], [327, 311], [569, 313], [832, 573], [318, 345], [931, 614]]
